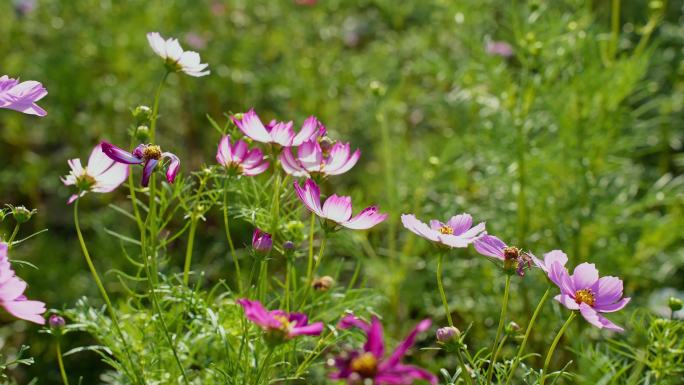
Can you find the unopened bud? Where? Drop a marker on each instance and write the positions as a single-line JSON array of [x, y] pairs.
[[21, 214], [261, 241], [512, 328], [323, 284], [447, 334], [675, 304], [142, 114], [288, 245], [142, 133], [377, 88], [56, 322]]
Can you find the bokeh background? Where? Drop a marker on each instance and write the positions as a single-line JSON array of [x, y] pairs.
[[574, 141]]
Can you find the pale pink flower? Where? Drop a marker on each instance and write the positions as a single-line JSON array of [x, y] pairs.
[[276, 132], [12, 296], [101, 175], [456, 232], [22, 96]]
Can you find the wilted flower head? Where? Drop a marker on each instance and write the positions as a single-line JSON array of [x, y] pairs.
[[147, 155], [370, 363], [12, 296], [499, 48], [176, 59], [512, 257], [101, 175], [279, 325], [261, 241], [21, 214], [337, 210], [457, 232], [239, 158], [275, 132], [22, 96], [319, 156]]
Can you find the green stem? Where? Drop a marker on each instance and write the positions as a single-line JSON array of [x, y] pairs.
[[188, 251], [549, 354], [13, 236], [309, 282], [266, 363], [226, 224], [440, 285], [103, 292], [521, 349], [60, 362], [464, 369], [502, 318], [309, 268], [155, 107], [615, 26]]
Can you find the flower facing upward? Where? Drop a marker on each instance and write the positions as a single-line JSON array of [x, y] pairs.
[[12, 296], [319, 156], [276, 132], [370, 365], [146, 154], [22, 96], [175, 58], [457, 232], [279, 325], [513, 258], [337, 210], [101, 175], [239, 158], [261, 241]]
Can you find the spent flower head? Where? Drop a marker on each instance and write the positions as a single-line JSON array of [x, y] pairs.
[[21, 214], [148, 155]]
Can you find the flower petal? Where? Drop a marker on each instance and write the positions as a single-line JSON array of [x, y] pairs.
[[403, 347], [119, 155], [251, 125], [490, 246], [460, 223], [375, 342], [417, 227], [584, 276], [147, 171], [337, 208], [366, 219]]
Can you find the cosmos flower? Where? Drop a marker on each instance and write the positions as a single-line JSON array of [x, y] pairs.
[[276, 132], [239, 158], [147, 155], [101, 175], [12, 296], [457, 232], [176, 59], [369, 365], [279, 326], [586, 292], [512, 257], [319, 157], [337, 210], [22, 96], [499, 48], [261, 241]]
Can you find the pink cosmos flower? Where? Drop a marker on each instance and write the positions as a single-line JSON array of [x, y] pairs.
[[457, 232], [370, 365], [240, 158], [262, 241], [585, 291], [12, 290], [175, 58], [279, 325], [22, 96], [101, 175], [276, 132], [499, 48], [319, 157], [337, 209], [147, 155], [511, 256]]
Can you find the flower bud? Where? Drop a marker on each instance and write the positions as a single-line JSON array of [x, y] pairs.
[[261, 241], [288, 245], [512, 328], [21, 214], [323, 283], [142, 114], [377, 88], [56, 322], [447, 334], [675, 304], [142, 133]]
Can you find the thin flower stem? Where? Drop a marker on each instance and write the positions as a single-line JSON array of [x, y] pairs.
[[236, 263], [549, 354], [440, 285], [464, 369], [266, 363], [60, 362], [13, 236], [502, 318], [309, 282], [521, 349], [103, 292], [155, 107], [309, 269], [188, 251]]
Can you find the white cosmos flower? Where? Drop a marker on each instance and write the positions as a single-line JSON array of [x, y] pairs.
[[177, 59], [101, 175]]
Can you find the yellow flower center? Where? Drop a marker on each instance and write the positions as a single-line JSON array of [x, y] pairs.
[[446, 230], [585, 296], [152, 152], [366, 365], [284, 322]]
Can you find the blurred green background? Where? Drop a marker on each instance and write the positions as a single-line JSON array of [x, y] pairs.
[[574, 142]]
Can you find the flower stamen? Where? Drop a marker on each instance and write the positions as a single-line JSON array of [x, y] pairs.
[[447, 230], [585, 296], [366, 365]]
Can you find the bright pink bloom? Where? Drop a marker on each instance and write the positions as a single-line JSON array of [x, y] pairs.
[[312, 158], [175, 58], [12, 293], [512, 257], [240, 158], [337, 209], [371, 364], [147, 155], [262, 241], [278, 324], [276, 132], [457, 232], [22, 96], [101, 175]]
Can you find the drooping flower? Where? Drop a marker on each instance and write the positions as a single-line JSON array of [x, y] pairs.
[[513, 258], [22, 96], [12, 296], [261, 241], [239, 158], [147, 155], [176, 59], [457, 232], [101, 175], [370, 363], [319, 156], [586, 292], [499, 48], [337, 210], [279, 325], [276, 132]]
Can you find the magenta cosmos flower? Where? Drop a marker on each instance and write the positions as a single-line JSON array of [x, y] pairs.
[[239, 158], [101, 175], [276, 132], [12, 296], [513, 258], [370, 363], [457, 232], [175, 58], [147, 155], [279, 325], [585, 291], [337, 209], [22, 96], [262, 241], [319, 157]]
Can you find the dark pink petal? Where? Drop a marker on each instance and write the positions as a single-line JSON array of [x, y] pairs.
[[310, 155], [239, 151], [255, 312], [256, 170], [299, 319], [147, 171], [224, 155], [350, 320], [375, 342], [253, 157], [366, 219], [119, 155], [405, 374], [290, 164], [400, 351], [309, 131], [490, 246], [310, 195], [309, 330], [173, 168]]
